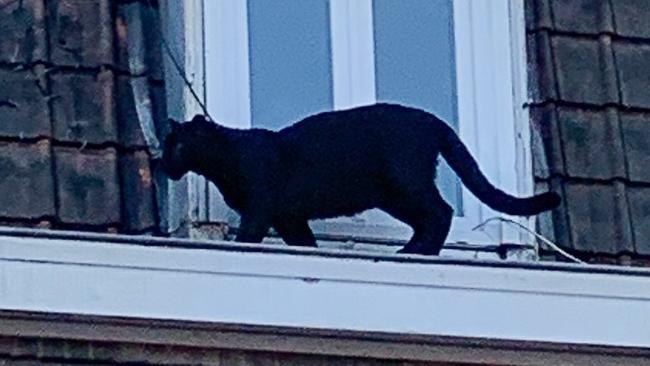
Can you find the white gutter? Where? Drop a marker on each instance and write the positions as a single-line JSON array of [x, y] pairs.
[[279, 286]]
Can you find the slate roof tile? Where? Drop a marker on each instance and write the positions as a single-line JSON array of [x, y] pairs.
[[632, 18], [127, 117], [639, 201], [22, 26], [83, 107], [554, 224], [585, 71], [137, 192], [633, 62], [538, 14], [591, 143], [151, 55], [582, 16], [599, 218], [541, 72], [636, 137], [26, 181], [23, 105], [546, 142], [81, 32], [88, 186]]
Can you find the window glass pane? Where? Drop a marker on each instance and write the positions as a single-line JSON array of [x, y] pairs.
[[415, 65], [290, 62]]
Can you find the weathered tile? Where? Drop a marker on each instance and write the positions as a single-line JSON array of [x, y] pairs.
[[639, 200], [23, 105], [127, 117], [632, 18], [598, 217], [591, 142], [22, 26], [139, 48], [81, 32], [636, 137], [538, 14], [633, 61], [83, 107], [582, 71], [582, 16], [88, 186], [154, 47], [137, 192], [546, 142], [26, 181], [541, 73]]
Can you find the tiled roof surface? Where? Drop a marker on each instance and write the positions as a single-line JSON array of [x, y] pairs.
[[589, 70], [72, 154]]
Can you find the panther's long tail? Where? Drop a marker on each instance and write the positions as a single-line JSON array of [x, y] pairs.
[[462, 162]]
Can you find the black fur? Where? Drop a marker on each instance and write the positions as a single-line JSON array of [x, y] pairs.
[[335, 164]]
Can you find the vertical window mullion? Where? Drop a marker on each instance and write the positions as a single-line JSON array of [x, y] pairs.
[[353, 55]]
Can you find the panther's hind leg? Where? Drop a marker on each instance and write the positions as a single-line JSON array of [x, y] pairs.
[[428, 215]]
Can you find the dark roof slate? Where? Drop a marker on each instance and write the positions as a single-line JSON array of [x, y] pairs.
[[590, 103], [83, 107], [72, 154], [26, 181], [88, 186], [24, 109], [81, 33]]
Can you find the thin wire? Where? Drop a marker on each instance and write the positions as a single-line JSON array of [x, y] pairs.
[[179, 68], [538, 236]]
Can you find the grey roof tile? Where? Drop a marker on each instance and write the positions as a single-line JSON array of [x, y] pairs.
[[22, 25], [599, 219], [585, 70], [26, 172], [541, 73], [553, 224], [152, 62], [632, 17], [88, 186], [633, 62], [582, 16], [23, 105], [81, 34], [636, 138], [591, 143], [84, 108], [127, 116], [538, 14], [137, 192], [546, 142], [121, 39], [639, 200]]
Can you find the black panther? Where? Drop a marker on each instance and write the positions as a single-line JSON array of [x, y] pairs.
[[338, 164]]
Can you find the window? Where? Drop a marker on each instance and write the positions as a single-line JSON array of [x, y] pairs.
[[270, 63]]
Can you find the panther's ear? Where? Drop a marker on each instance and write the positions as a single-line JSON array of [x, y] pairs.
[[174, 125]]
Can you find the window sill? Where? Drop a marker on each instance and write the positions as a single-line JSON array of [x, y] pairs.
[[143, 277]]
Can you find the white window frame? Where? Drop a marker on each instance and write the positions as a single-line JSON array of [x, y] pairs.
[[491, 88]]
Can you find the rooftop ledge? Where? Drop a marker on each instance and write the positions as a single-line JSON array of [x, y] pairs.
[[277, 286]]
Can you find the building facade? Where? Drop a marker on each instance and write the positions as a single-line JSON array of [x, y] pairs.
[[86, 87]]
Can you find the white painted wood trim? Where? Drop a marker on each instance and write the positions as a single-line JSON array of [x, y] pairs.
[[523, 149], [353, 53], [305, 288], [227, 63]]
